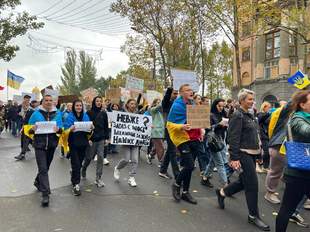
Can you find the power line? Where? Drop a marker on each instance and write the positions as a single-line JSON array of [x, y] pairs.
[[72, 41], [51, 7], [78, 7], [111, 22], [63, 8]]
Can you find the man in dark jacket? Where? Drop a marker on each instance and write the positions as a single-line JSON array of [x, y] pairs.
[[13, 116], [170, 156]]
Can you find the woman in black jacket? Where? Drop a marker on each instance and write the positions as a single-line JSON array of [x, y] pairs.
[[297, 180], [244, 149], [218, 159], [78, 142]]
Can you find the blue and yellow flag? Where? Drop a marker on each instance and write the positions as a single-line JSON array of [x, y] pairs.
[[299, 80], [14, 81]]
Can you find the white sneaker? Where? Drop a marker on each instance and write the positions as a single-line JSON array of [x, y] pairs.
[[132, 182], [272, 198], [116, 173], [106, 161], [96, 158], [99, 183]]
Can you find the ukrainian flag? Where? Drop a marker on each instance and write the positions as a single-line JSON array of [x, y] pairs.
[[299, 80], [14, 81]]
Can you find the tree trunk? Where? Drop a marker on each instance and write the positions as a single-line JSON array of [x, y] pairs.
[[236, 38], [161, 51], [202, 59]]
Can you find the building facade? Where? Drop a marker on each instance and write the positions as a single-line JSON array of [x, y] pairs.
[[268, 60]]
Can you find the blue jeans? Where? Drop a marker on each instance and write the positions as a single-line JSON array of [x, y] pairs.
[[218, 160], [301, 205], [14, 126]]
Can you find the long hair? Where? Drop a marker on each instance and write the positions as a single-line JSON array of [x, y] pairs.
[[74, 111]]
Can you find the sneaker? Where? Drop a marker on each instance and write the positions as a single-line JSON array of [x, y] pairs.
[[132, 182], [45, 201], [96, 158], [165, 175], [62, 156], [116, 173], [220, 199], [206, 183], [272, 198], [298, 219], [307, 205], [20, 157], [176, 192], [149, 159], [188, 198], [99, 183], [106, 161], [214, 169], [259, 169], [256, 221], [76, 190]]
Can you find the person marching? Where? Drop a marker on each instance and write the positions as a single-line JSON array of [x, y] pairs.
[[244, 149], [45, 144], [131, 153], [187, 141], [78, 142]]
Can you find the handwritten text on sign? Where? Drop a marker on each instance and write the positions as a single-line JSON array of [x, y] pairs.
[[131, 129], [198, 116], [133, 83]]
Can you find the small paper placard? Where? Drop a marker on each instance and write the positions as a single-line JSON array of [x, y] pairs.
[[83, 126], [45, 127]]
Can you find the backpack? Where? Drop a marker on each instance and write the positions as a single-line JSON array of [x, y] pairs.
[[273, 121], [215, 142]]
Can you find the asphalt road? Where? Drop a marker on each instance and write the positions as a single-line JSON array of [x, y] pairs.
[[116, 207]]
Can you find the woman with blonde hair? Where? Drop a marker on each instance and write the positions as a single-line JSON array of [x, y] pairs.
[[263, 120]]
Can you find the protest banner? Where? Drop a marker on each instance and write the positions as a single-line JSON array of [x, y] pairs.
[[181, 77], [89, 94], [135, 84], [43, 90], [198, 116], [114, 95], [53, 93], [17, 98], [32, 95], [67, 99], [151, 95], [131, 129], [83, 126], [125, 94]]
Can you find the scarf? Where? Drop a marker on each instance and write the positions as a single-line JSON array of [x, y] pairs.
[[304, 115]]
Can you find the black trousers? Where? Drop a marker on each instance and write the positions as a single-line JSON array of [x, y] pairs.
[[44, 159], [248, 182], [77, 158], [293, 194], [25, 141], [170, 157], [188, 151], [266, 156]]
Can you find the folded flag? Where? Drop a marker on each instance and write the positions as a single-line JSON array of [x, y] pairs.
[[14, 81], [299, 80], [1, 88]]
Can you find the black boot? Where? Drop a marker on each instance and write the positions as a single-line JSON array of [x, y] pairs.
[[45, 200], [220, 199], [189, 198], [256, 221], [206, 183], [176, 192], [20, 157], [37, 185]]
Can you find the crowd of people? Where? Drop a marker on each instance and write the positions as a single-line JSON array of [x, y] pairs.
[[241, 141]]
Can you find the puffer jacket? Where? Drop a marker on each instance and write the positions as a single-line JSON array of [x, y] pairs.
[[46, 141], [301, 133]]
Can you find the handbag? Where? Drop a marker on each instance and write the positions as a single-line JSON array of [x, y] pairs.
[[298, 154], [215, 142]]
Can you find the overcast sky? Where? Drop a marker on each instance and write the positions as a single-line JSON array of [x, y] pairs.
[[42, 69]]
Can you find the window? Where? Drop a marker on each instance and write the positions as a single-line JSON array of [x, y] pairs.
[[292, 41], [273, 45], [270, 68], [246, 54], [246, 29]]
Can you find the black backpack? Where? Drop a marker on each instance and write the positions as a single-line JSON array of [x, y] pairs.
[[215, 142]]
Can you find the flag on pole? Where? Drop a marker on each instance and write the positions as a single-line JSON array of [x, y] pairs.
[[14, 81], [299, 80], [1, 88]]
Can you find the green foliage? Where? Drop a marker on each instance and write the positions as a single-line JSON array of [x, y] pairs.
[[13, 25], [87, 71]]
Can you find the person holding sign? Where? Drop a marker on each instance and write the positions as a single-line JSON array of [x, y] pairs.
[[187, 140], [78, 141], [131, 152], [45, 143]]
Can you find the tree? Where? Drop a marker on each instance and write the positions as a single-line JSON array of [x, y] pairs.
[[69, 78], [102, 84], [87, 71], [13, 25]]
